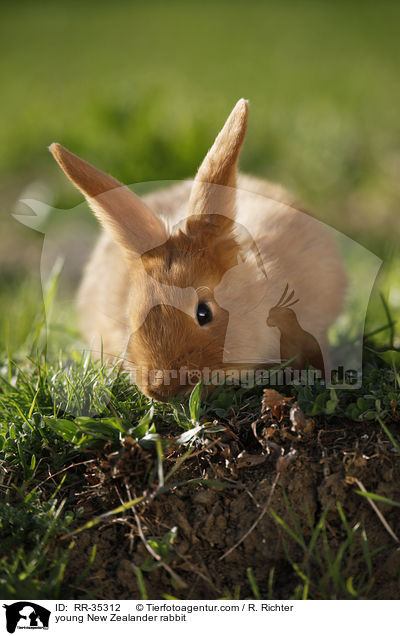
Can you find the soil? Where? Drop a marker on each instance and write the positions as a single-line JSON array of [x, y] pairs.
[[281, 461]]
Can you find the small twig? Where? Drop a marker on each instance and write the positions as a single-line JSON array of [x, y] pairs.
[[148, 547], [154, 554], [196, 571], [378, 512], [187, 455], [88, 461], [110, 406], [256, 522]]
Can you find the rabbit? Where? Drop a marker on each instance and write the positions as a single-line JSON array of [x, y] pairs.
[[185, 277]]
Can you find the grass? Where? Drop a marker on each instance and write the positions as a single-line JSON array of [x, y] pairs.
[[326, 573], [45, 441]]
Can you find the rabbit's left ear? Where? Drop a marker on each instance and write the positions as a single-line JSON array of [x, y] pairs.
[[213, 190], [121, 212]]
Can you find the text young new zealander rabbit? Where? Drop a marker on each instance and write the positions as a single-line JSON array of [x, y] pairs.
[[183, 280]]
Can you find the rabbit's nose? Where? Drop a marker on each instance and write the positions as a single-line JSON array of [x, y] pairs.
[[161, 392], [156, 395], [164, 392]]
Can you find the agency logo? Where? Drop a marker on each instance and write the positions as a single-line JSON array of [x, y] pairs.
[[26, 615]]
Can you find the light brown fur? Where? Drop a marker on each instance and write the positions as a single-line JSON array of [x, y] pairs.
[[201, 241]]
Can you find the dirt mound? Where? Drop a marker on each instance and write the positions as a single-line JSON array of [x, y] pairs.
[[283, 473]]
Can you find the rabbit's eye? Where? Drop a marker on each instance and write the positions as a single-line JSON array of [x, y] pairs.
[[203, 314]]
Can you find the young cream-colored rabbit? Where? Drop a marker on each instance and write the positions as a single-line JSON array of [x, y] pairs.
[[185, 277]]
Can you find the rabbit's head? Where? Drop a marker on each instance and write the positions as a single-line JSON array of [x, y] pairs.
[[176, 322]]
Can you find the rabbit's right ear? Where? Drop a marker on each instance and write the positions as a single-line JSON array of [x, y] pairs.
[[214, 187], [121, 212]]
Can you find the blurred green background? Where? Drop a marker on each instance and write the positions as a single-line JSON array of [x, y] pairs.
[[141, 89]]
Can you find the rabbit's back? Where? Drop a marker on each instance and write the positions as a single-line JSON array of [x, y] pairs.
[[296, 249]]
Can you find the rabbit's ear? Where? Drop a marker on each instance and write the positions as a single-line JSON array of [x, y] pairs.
[[214, 186], [130, 222]]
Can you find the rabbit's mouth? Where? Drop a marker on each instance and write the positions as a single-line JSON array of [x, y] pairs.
[[155, 395], [160, 396]]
